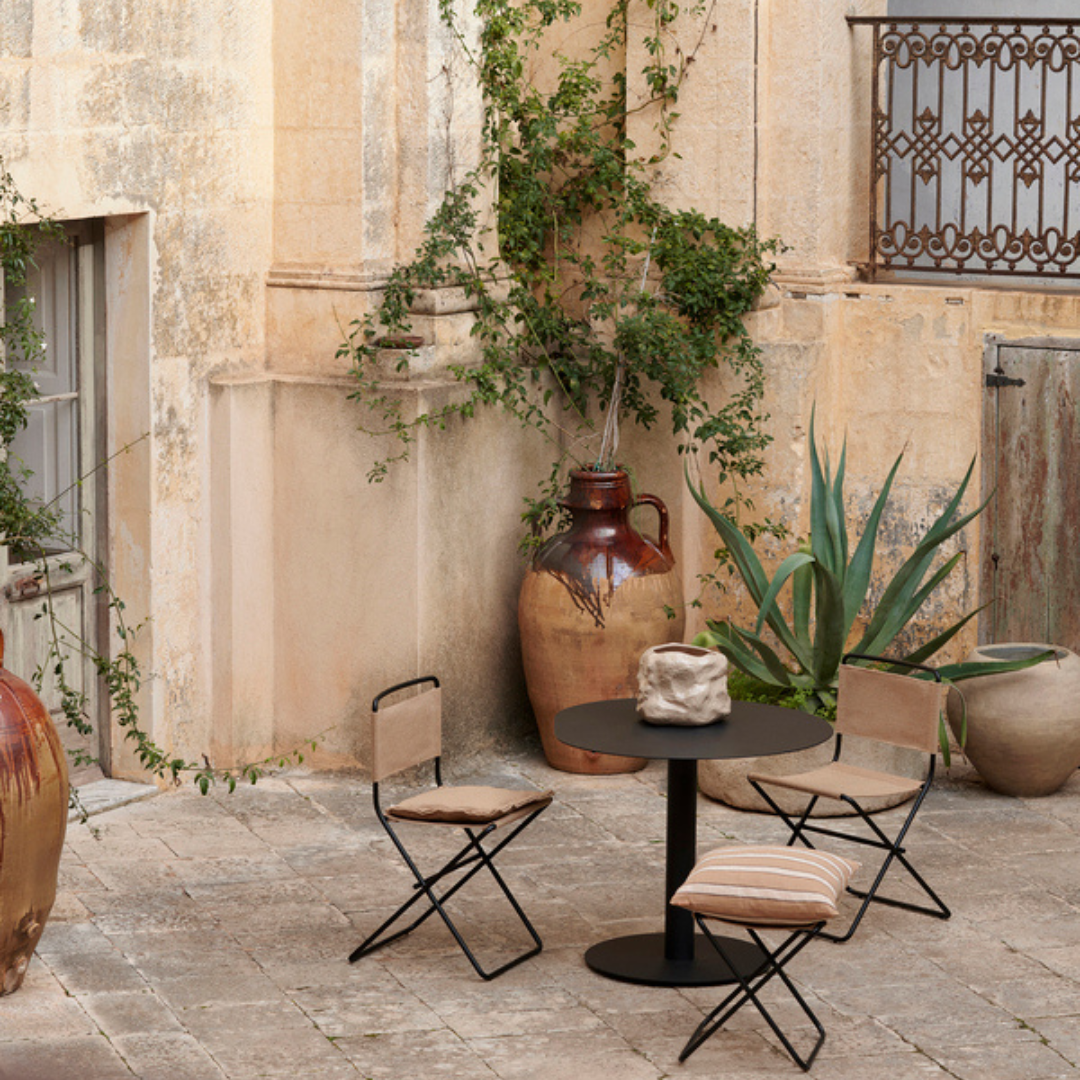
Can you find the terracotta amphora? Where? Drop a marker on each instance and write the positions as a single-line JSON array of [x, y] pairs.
[[33, 820], [593, 600]]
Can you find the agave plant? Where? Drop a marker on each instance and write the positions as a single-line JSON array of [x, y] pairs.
[[829, 585]]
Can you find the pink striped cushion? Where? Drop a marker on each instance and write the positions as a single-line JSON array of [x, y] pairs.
[[766, 886]]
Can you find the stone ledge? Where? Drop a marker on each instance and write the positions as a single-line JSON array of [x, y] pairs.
[[102, 795]]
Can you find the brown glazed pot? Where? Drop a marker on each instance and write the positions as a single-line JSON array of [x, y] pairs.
[[593, 600], [33, 820]]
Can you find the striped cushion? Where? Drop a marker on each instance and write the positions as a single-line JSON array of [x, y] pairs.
[[766, 886]]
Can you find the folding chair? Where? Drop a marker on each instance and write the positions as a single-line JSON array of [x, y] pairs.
[[892, 708], [409, 733], [755, 888]]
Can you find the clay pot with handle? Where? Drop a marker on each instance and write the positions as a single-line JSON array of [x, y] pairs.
[[593, 600]]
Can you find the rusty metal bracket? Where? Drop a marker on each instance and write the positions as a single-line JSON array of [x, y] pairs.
[[998, 379], [23, 589]]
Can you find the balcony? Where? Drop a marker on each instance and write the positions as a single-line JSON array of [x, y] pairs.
[[975, 155]]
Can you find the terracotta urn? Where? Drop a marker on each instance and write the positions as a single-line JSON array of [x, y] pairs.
[[33, 820], [683, 685], [1023, 727], [593, 600]]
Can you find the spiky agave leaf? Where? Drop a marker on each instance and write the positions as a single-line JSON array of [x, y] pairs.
[[749, 568], [825, 580], [759, 660], [897, 605], [857, 578]]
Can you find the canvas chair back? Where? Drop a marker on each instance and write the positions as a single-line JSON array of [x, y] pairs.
[[405, 734], [891, 708]]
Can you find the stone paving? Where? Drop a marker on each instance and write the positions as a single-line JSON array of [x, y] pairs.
[[198, 938]]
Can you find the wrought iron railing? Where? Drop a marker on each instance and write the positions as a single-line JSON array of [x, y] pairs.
[[975, 162]]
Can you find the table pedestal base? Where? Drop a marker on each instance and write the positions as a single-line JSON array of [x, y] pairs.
[[640, 959]]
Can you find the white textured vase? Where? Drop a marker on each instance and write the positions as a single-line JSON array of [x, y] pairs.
[[1023, 727], [682, 684]]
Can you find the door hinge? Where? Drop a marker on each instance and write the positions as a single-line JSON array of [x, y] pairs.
[[998, 379]]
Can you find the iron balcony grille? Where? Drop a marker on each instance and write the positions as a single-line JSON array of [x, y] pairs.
[[975, 163]]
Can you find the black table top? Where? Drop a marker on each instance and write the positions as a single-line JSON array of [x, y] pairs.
[[752, 730]]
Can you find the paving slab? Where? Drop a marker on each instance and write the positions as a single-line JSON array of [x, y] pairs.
[[101, 795], [206, 938]]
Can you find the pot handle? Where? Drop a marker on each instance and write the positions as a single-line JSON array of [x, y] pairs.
[[661, 509]]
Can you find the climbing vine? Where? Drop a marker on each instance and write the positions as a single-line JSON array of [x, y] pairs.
[[593, 300], [35, 530]]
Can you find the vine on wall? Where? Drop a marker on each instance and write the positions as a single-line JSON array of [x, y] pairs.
[[594, 297]]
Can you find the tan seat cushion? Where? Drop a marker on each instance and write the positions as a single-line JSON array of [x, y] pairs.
[[467, 805], [766, 886], [838, 779]]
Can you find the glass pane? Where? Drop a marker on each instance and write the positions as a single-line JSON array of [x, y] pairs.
[[49, 445]]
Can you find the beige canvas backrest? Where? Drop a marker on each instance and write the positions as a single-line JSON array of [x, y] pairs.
[[406, 733], [896, 709]]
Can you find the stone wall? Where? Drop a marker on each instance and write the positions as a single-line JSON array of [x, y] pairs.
[[157, 117], [259, 169], [775, 130]]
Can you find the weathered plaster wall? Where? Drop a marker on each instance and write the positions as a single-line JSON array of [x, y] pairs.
[[260, 170], [773, 129], [120, 108], [376, 583], [890, 368]]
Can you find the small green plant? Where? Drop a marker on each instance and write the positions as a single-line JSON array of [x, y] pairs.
[[829, 589], [36, 530], [594, 300], [743, 687]]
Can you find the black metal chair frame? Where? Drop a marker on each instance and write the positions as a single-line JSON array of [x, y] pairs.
[[471, 858], [893, 846], [750, 984]]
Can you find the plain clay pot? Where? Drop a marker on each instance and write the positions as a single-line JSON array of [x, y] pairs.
[[1023, 727]]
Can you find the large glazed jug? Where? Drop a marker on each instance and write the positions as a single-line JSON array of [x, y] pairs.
[[33, 820], [593, 600]]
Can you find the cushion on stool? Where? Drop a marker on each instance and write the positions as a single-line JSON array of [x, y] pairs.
[[766, 886], [466, 804]]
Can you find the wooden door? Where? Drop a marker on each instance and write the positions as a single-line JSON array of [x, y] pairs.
[[1031, 461], [61, 448]]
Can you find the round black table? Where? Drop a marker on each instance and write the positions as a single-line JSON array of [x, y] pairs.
[[670, 958]]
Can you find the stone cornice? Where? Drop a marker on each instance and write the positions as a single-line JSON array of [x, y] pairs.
[[303, 276]]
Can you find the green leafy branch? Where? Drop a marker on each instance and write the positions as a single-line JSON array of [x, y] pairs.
[[121, 677], [599, 298]]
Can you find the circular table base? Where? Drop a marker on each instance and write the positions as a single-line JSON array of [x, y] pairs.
[[640, 959]]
